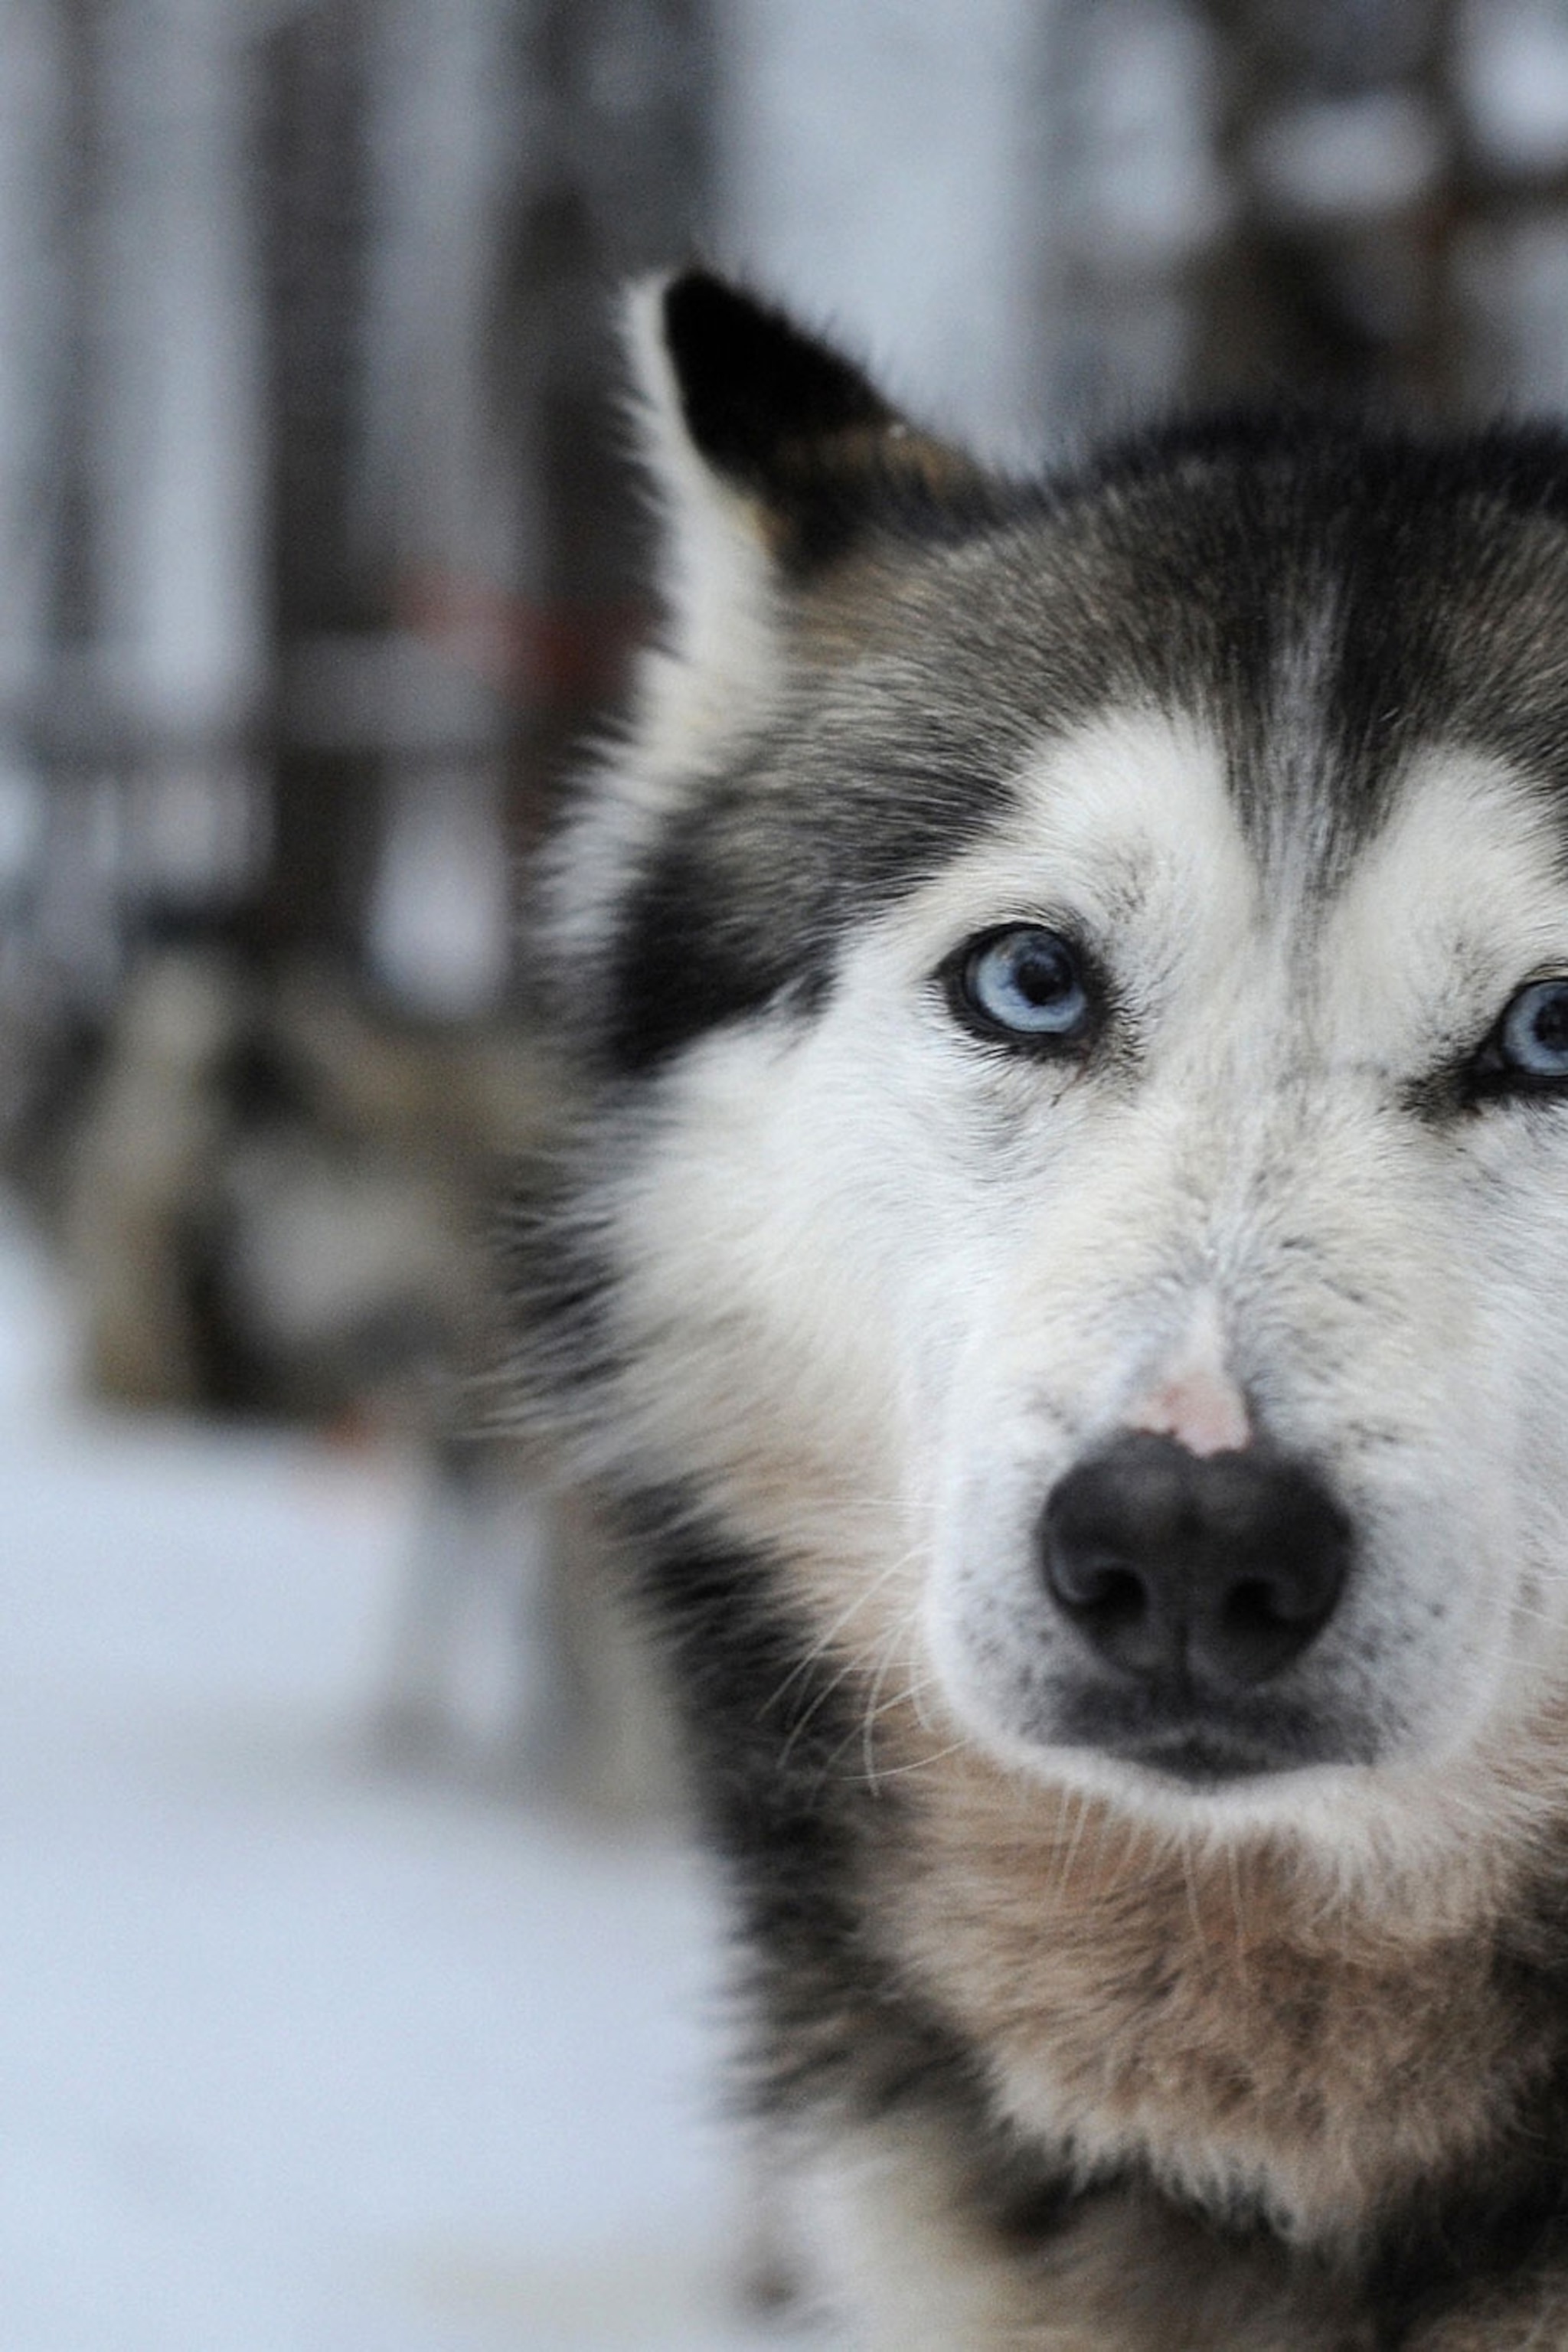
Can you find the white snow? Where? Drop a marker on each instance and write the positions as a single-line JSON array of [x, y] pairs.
[[296, 2055]]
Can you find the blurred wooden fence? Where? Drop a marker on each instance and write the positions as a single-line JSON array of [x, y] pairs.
[[308, 455]]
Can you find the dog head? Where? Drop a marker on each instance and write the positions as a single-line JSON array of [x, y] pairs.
[[1078, 978]]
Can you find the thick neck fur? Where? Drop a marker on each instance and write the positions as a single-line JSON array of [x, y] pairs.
[[1258, 2042]]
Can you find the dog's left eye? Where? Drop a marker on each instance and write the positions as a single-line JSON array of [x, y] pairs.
[[1025, 982], [1532, 1035]]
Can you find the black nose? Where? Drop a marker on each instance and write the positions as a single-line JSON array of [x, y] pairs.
[[1222, 1567]]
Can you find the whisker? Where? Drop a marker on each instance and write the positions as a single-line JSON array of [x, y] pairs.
[[1067, 1855], [869, 1717], [847, 1616], [1232, 1872], [921, 1763], [1190, 1889]]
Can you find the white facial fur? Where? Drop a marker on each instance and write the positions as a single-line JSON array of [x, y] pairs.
[[916, 1278]]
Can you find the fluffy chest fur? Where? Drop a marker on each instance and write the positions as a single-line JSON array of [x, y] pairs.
[[1212, 2017]]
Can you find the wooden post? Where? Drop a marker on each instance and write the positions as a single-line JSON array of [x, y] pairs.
[[622, 184], [312, 171]]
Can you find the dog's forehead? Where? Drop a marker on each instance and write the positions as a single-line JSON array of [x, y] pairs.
[[1327, 672], [1470, 862], [1123, 825], [1311, 626], [1326, 621], [1130, 825], [1137, 803]]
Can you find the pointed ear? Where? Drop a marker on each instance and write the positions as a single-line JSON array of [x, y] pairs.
[[776, 457]]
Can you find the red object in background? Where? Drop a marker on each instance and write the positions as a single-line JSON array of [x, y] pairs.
[[560, 654]]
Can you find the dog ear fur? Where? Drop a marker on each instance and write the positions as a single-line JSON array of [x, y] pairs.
[[778, 418], [777, 460]]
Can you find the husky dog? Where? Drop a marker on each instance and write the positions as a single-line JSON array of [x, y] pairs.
[[1065, 1270]]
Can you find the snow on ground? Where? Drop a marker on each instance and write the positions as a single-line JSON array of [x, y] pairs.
[[298, 2055]]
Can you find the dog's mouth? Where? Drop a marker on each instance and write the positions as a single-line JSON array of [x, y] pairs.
[[1202, 1743], [1202, 1759]]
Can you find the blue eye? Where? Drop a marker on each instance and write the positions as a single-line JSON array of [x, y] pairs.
[[1025, 982], [1532, 1037]]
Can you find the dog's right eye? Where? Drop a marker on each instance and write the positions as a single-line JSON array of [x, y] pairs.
[[1026, 984], [1527, 1052], [1532, 1037]]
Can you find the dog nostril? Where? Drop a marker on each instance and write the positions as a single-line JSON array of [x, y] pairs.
[[1106, 1593], [1251, 1606], [1173, 1565], [1260, 1629]]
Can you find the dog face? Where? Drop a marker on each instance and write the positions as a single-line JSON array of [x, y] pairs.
[[1248, 1463], [1079, 978]]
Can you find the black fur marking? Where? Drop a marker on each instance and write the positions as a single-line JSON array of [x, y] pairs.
[[787, 419], [752, 385], [1386, 569], [689, 961], [1505, 2217], [741, 910], [774, 1734], [770, 1731], [1509, 2223]]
